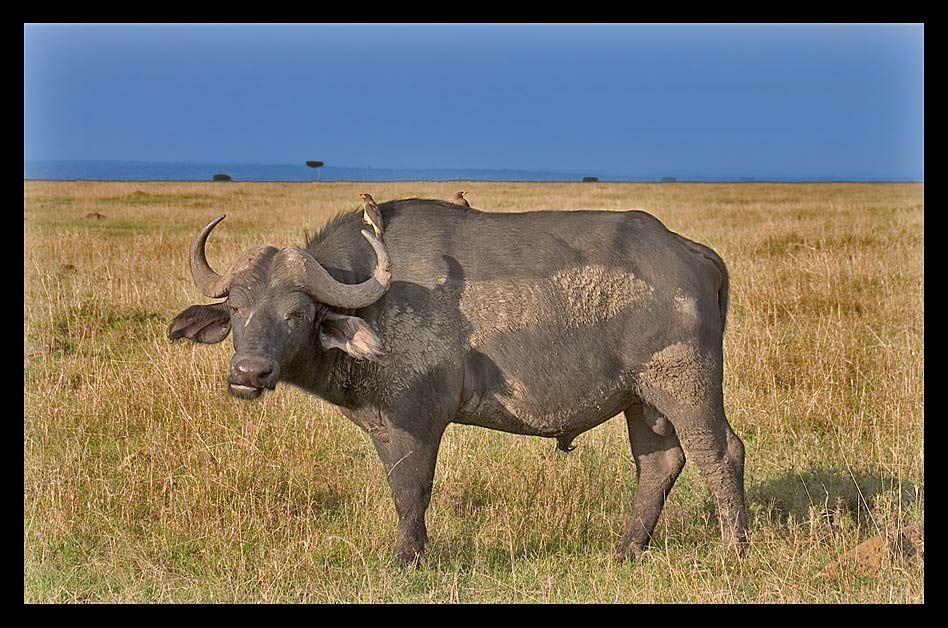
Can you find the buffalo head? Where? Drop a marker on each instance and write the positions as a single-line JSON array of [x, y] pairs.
[[279, 305]]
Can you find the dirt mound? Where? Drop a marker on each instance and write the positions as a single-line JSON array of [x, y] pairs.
[[868, 557]]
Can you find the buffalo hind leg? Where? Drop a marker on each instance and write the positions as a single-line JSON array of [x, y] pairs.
[[719, 455], [712, 445], [684, 384], [658, 461], [409, 462]]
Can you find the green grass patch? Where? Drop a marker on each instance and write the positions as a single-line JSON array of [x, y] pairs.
[[139, 198]]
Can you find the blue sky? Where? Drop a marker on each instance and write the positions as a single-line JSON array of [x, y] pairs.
[[694, 101]]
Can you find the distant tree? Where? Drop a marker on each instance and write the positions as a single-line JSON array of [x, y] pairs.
[[590, 179], [669, 179], [221, 177], [315, 164]]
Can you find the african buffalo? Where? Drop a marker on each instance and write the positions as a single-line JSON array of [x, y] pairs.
[[541, 323]]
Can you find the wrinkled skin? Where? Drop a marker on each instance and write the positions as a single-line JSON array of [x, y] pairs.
[[540, 323]]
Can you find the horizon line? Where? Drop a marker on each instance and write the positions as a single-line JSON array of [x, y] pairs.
[[676, 180], [606, 176]]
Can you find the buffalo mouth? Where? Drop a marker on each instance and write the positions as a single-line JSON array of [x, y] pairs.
[[242, 391]]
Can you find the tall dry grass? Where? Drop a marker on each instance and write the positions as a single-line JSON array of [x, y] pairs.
[[145, 482]]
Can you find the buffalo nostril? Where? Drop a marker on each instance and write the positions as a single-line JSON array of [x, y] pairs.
[[256, 372], [248, 368]]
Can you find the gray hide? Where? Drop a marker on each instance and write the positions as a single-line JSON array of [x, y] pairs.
[[537, 323]]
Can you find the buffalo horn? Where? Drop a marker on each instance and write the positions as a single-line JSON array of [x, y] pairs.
[[325, 289], [208, 282]]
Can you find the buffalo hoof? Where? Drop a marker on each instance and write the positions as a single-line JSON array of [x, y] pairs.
[[411, 544], [409, 557], [628, 552], [739, 547]]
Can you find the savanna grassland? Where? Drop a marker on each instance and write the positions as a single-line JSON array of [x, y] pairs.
[[143, 481]]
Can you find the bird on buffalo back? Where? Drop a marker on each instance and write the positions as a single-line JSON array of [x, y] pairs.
[[371, 214], [460, 200]]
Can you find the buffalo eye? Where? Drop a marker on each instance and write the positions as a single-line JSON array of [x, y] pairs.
[[294, 315]]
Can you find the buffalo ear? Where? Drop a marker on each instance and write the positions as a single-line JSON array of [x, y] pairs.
[[208, 324], [352, 335]]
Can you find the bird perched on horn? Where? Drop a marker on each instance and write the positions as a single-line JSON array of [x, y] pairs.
[[460, 200], [371, 214]]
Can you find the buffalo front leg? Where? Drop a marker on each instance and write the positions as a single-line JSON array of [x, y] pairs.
[[409, 461], [658, 461]]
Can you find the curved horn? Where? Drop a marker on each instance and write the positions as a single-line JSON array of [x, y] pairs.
[[323, 287], [207, 281]]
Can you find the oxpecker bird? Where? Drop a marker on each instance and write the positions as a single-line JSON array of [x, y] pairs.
[[371, 214], [460, 200]]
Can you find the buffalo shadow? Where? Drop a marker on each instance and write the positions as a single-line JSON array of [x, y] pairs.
[[792, 495]]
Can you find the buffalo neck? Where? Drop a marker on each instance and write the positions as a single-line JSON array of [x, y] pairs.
[[325, 373]]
